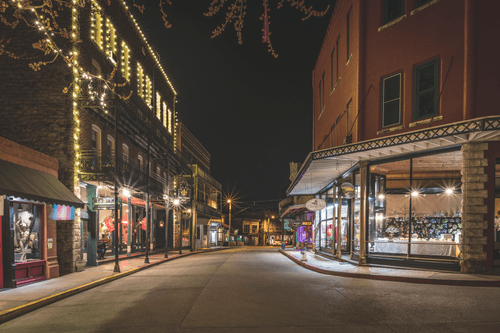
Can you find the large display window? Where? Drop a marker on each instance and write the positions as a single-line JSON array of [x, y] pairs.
[[414, 207], [26, 225], [324, 224]]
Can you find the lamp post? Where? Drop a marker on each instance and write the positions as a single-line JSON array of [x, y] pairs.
[[229, 231], [166, 223], [176, 204]]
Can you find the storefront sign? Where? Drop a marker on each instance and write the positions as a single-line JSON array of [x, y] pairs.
[[306, 223], [347, 190], [297, 223], [184, 192], [315, 204], [84, 214], [50, 243], [105, 203]]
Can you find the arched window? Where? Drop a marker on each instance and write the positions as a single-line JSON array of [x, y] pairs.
[[110, 146], [125, 155], [140, 161], [96, 137]]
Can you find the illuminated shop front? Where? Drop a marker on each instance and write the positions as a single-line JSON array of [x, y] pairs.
[[32, 203], [413, 200]]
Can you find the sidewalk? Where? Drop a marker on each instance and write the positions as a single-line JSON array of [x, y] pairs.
[[18, 301], [324, 265]]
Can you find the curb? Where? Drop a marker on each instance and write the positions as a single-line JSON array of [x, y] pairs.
[[20, 310], [466, 283]]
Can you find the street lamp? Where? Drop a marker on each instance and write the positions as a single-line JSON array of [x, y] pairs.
[[176, 203], [229, 231]]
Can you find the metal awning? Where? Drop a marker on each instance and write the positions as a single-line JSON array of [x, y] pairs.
[[26, 183], [322, 167]]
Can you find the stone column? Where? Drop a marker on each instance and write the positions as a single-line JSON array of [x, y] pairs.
[[474, 209]]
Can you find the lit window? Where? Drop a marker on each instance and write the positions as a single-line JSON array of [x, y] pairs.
[[96, 25], [149, 92], [96, 137], [140, 81], [165, 114], [158, 105], [140, 162], [125, 61], [111, 42], [170, 121]]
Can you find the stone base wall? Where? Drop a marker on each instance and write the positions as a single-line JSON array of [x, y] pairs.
[[474, 179], [68, 246]]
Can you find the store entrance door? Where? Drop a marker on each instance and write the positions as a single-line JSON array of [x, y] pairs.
[[345, 227], [496, 231]]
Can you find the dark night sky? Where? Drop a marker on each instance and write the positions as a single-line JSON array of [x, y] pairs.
[[252, 112]]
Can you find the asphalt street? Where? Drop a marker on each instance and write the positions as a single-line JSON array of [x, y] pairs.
[[261, 290]]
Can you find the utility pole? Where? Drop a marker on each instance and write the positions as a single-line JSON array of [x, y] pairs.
[[117, 265], [167, 202]]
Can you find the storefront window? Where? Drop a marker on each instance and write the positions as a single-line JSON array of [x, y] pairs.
[[26, 227], [344, 225], [357, 221], [414, 207]]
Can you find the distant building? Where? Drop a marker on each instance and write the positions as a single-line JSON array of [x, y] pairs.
[[206, 228], [405, 134]]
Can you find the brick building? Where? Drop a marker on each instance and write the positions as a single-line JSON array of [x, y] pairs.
[[104, 142], [30, 195], [405, 134], [206, 226]]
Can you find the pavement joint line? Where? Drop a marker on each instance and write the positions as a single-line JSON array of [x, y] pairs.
[[23, 309], [466, 283]]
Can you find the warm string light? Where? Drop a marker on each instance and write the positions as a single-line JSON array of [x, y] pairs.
[[153, 54]]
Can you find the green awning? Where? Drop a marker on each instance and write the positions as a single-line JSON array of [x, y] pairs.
[[25, 183]]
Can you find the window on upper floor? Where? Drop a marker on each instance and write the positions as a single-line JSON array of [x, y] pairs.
[[391, 100], [246, 228], [337, 58], [348, 106], [165, 114], [426, 89], [140, 163], [348, 35], [149, 92], [169, 121], [111, 42], [323, 92], [332, 66], [96, 137], [158, 105], [125, 153], [96, 25], [125, 61], [110, 146], [320, 89], [393, 9], [419, 3], [140, 81]]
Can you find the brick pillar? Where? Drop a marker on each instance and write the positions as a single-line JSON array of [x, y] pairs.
[[474, 209]]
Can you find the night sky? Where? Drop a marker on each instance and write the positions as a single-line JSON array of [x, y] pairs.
[[251, 111]]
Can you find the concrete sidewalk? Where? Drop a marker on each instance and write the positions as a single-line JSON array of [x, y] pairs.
[[18, 301], [332, 266]]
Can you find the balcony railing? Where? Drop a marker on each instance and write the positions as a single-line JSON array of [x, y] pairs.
[[99, 165]]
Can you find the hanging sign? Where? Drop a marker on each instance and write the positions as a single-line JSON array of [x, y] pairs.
[[306, 223], [315, 204], [297, 223], [347, 190], [286, 224], [105, 203], [184, 192]]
